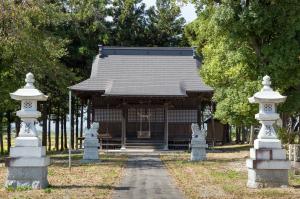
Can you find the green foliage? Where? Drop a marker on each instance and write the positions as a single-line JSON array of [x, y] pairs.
[[28, 44], [48, 190], [286, 137], [165, 25], [240, 43], [58, 40]]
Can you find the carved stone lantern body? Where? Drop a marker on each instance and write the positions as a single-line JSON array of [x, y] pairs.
[[267, 166]]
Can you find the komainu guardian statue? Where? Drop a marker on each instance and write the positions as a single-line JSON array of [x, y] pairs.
[[198, 143]]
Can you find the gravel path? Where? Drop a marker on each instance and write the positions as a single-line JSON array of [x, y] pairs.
[[146, 178]]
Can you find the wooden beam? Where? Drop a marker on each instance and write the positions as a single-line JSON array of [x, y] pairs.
[[88, 120], [199, 115]]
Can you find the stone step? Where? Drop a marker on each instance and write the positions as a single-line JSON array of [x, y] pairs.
[[144, 146]]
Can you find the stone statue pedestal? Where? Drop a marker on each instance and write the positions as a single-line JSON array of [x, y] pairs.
[[27, 164], [198, 144], [267, 166], [91, 144]]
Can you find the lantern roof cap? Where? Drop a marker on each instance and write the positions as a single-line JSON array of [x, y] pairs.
[[266, 94], [29, 92]]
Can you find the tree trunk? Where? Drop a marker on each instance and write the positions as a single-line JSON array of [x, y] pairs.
[[77, 129], [18, 126], [44, 132], [296, 152], [8, 116], [72, 123], [57, 131], [81, 124], [49, 131], [65, 133], [238, 135], [1, 135], [243, 132], [251, 135], [61, 133], [229, 133]]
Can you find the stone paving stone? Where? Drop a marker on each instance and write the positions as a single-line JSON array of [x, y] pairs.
[[146, 178]]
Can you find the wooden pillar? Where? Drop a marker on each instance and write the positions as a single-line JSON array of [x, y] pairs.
[[166, 128], [124, 126], [93, 112], [199, 116], [88, 117]]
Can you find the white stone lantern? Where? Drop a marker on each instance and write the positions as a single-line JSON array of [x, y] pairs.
[[27, 164], [267, 166], [267, 116]]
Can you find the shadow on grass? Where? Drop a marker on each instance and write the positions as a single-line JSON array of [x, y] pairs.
[[109, 187], [231, 148], [73, 186], [63, 161], [208, 161], [296, 186]]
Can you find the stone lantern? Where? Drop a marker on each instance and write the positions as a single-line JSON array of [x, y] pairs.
[[28, 163], [267, 166]]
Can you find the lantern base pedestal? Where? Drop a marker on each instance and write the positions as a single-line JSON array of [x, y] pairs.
[[267, 144], [263, 178], [31, 177], [27, 164], [267, 166]]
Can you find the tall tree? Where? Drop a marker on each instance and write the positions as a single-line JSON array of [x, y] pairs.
[[128, 23], [165, 24], [86, 28], [241, 41]]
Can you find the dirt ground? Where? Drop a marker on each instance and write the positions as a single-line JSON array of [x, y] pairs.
[[83, 181], [224, 175]]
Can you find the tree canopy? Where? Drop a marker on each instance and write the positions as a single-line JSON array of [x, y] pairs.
[[57, 40], [240, 42]]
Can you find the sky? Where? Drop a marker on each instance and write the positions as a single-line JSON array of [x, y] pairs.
[[188, 11]]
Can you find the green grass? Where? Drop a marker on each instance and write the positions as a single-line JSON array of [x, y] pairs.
[[83, 181], [222, 175], [225, 175], [18, 189]]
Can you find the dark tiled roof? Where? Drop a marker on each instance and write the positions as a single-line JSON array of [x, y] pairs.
[[131, 71]]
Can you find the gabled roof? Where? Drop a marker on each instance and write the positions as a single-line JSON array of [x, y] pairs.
[[144, 71]]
